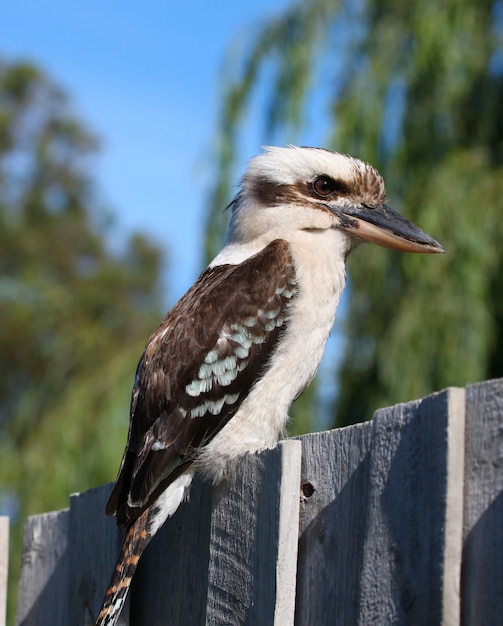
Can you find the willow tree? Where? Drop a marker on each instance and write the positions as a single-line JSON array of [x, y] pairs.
[[416, 89]]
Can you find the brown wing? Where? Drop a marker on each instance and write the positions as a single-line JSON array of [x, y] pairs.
[[197, 368]]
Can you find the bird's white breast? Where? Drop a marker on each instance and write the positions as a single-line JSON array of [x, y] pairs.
[[320, 264]]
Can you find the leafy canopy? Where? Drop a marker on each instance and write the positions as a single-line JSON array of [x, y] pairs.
[[76, 307], [417, 90]]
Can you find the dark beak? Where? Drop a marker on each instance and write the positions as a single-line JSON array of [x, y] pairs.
[[385, 227]]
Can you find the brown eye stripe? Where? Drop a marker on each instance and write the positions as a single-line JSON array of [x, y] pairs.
[[326, 185], [267, 193]]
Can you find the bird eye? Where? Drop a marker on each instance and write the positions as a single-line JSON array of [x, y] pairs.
[[323, 186]]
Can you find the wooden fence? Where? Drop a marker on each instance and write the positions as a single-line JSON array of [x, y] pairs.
[[395, 521]]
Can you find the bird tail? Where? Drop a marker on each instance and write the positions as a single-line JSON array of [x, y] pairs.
[[136, 540]]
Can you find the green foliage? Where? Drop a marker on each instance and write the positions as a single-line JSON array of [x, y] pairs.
[[277, 44], [74, 314], [416, 89]]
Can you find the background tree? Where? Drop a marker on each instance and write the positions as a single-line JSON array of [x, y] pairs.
[[417, 90], [74, 315]]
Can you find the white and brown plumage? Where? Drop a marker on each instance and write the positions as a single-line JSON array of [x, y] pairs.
[[219, 373]]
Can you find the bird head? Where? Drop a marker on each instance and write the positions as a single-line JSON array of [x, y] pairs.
[[286, 190]]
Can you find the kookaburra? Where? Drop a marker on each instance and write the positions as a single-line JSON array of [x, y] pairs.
[[219, 373]]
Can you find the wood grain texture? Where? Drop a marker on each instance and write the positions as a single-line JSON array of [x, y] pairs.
[[171, 581], [332, 525], [288, 532], [217, 555], [453, 531], [404, 570], [482, 576], [250, 520], [400, 523], [92, 550], [43, 586]]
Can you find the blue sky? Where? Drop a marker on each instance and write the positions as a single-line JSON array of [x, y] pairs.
[[145, 77]]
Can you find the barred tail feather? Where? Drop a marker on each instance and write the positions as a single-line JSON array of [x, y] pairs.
[[136, 540]]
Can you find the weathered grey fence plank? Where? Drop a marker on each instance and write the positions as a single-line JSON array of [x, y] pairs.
[[256, 516], [92, 554], [332, 525], [288, 533], [453, 532], [254, 525], [404, 576], [68, 558], [43, 586], [381, 532], [482, 576], [171, 583], [4, 566], [73, 575]]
